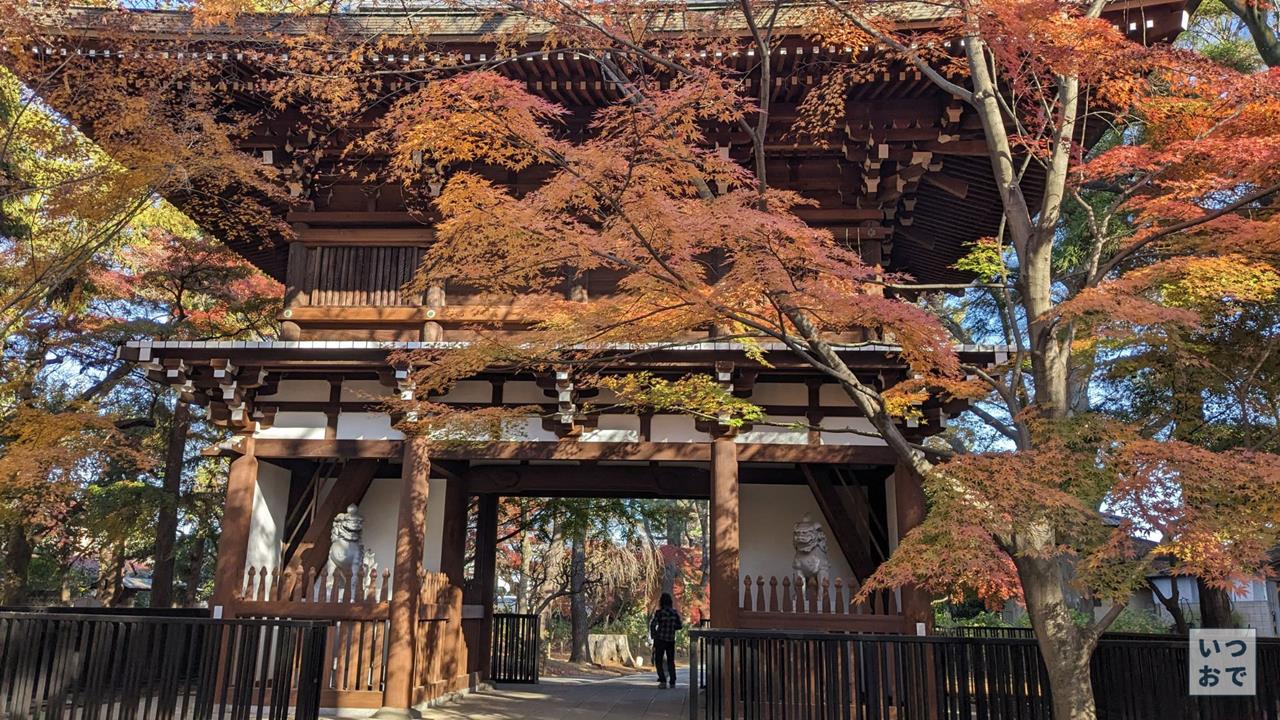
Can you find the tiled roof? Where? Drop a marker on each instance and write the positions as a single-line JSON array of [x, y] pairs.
[[394, 345], [442, 23]]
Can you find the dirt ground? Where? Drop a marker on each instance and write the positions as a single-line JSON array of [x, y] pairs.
[[561, 667]]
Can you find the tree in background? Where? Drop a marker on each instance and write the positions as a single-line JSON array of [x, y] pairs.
[[588, 556], [90, 257]]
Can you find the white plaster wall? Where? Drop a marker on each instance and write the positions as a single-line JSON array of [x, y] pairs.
[[862, 425], [773, 434], [524, 392], [614, 428], [780, 394], [832, 395], [296, 426], [531, 431], [365, 391], [675, 428], [767, 514], [299, 391], [270, 505], [604, 396], [366, 426], [380, 509], [469, 391]]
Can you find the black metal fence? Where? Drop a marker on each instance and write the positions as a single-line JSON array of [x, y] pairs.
[[95, 667], [762, 675], [979, 631], [516, 648]]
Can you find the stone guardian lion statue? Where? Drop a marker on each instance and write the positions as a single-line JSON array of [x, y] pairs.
[[346, 549], [811, 563]]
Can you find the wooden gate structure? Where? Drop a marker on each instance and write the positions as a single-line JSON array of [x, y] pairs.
[[905, 180]]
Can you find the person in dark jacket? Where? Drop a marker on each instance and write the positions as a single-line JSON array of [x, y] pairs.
[[662, 630]]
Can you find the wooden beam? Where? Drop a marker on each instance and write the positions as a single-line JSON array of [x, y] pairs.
[[976, 148], [372, 314], [952, 186], [589, 481], [852, 534], [572, 450], [411, 236], [349, 488]]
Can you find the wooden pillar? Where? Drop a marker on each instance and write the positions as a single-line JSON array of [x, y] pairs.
[[724, 532], [453, 532], [237, 524], [295, 282], [432, 330], [397, 693], [910, 501], [486, 570]]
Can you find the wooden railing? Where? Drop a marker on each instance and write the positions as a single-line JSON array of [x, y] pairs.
[[830, 605], [442, 654], [355, 653]]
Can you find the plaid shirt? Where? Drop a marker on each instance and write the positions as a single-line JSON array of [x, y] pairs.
[[664, 624]]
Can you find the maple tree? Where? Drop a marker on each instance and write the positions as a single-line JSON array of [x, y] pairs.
[[702, 241], [90, 257], [1173, 212]]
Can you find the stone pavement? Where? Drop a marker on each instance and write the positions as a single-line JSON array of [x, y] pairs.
[[634, 697]]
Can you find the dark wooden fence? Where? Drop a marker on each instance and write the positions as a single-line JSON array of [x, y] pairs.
[[516, 648], [56, 665], [761, 675]]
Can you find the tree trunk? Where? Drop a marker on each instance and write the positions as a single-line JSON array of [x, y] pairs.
[[1172, 603], [671, 555], [17, 566], [1065, 647], [1072, 687], [194, 570], [578, 602], [167, 522], [1265, 39], [524, 589], [1215, 607], [704, 539], [111, 575]]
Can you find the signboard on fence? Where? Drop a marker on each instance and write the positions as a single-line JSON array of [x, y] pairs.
[[1223, 662]]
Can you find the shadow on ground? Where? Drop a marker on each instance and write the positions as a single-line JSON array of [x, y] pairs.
[[634, 697]]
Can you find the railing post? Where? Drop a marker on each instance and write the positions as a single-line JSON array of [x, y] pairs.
[[694, 672]]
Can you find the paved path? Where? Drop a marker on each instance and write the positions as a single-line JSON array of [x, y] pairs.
[[634, 697]]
